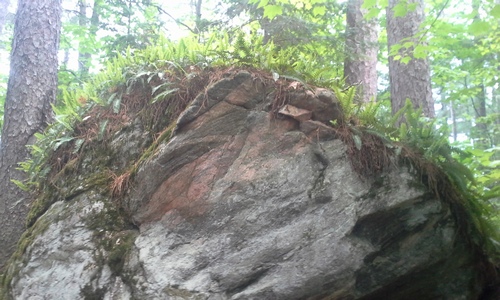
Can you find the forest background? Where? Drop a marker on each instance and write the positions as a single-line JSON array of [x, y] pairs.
[[444, 52], [460, 39]]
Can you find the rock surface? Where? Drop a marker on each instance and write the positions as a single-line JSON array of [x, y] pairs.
[[241, 204]]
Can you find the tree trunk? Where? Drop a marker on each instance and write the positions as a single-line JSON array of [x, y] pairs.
[[84, 53], [480, 133], [360, 65], [482, 138], [453, 121], [197, 12], [31, 89], [411, 80], [83, 56], [496, 99], [496, 110]]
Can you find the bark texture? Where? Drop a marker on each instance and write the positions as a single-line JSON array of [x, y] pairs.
[[31, 89], [360, 66], [410, 80]]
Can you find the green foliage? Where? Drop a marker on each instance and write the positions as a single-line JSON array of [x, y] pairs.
[[104, 30], [154, 64], [463, 45], [365, 115], [315, 27], [473, 174], [486, 167]]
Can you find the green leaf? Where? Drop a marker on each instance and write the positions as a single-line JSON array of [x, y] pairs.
[[495, 12], [21, 185], [164, 95], [78, 145], [319, 11], [373, 12], [357, 141], [156, 88], [395, 49], [419, 52], [262, 3], [408, 44], [479, 28], [368, 4], [102, 129], [403, 131], [61, 141], [117, 104], [62, 119], [271, 11], [400, 10], [405, 60], [412, 6]]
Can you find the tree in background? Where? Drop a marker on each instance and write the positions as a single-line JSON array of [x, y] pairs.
[[4, 4], [409, 70], [100, 30], [464, 47], [90, 25], [315, 28], [129, 23], [360, 64], [32, 87]]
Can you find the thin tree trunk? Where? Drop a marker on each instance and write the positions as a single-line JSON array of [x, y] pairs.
[[31, 89], [4, 5], [453, 121], [482, 137], [496, 110], [408, 81], [197, 9], [83, 64], [84, 55], [360, 66], [64, 63], [445, 107], [496, 98]]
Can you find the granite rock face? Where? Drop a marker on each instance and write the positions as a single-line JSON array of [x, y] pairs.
[[244, 204]]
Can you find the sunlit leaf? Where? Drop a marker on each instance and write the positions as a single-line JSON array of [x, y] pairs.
[[495, 12], [271, 11], [419, 52], [368, 4], [262, 3], [412, 6], [357, 141], [479, 28], [373, 12], [400, 9], [405, 60], [319, 11]]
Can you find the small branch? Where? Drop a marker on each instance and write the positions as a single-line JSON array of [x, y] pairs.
[[161, 10], [433, 22]]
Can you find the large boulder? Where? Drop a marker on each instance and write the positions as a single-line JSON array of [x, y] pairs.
[[245, 203]]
